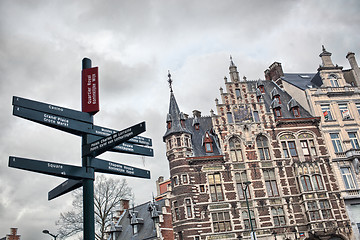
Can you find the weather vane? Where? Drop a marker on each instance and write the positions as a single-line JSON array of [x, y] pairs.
[[170, 81]]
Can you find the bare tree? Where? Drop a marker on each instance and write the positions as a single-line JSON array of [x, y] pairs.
[[108, 194]]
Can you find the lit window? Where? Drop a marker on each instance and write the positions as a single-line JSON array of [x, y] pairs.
[[335, 139], [263, 147], [235, 150], [326, 112], [354, 140], [221, 221], [216, 192], [347, 177]]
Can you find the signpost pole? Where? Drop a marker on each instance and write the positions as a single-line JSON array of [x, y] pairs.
[[88, 184]]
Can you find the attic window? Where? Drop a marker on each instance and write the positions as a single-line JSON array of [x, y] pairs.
[[208, 142], [296, 111], [278, 98], [169, 125], [197, 126], [277, 112], [262, 89]]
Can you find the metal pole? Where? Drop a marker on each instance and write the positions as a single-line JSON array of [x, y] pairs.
[[88, 185], [248, 208]]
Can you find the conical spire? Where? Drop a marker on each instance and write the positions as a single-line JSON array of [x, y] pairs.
[[234, 74], [175, 118]]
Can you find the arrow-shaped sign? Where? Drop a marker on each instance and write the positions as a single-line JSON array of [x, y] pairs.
[[50, 168], [104, 166], [52, 109], [104, 144], [64, 188]]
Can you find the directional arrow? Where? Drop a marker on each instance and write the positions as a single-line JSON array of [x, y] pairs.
[[52, 109], [49, 168], [64, 188], [104, 144], [102, 131], [104, 166], [62, 123]]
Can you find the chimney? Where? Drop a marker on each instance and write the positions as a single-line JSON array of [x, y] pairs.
[[196, 113], [354, 66], [274, 72]]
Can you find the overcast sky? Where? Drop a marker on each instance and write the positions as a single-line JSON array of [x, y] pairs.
[[134, 44]]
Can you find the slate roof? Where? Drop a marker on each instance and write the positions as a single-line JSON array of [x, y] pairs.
[[285, 99], [205, 125], [303, 80], [146, 230]]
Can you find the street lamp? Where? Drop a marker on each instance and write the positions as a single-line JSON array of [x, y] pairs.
[[47, 232], [252, 234]]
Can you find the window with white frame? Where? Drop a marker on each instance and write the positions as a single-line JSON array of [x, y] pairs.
[[270, 183], [335, 139], [263, 147], [235, 150], [240, 179], [306, 183], [246, 219], [317, 182], [278, 216], [185, 179], [347, 177], [345, 114], [216, 192], [325, 108], [333, 81], [354, 140], [188, 206], [358, 107], [307, 144], [325, 209], [313, 211], [221, 221]]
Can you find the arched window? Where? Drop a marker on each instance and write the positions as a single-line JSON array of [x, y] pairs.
[[307, 144], [333, 81], [263, 147], [306, 183], [317, 181], [235, 150]]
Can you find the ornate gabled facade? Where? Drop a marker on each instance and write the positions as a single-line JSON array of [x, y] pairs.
[[333, 94], [257, 168]]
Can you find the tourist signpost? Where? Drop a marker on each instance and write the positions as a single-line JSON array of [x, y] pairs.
[[95, 141]]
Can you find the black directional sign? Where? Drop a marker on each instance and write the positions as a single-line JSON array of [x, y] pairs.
[[104, 166], [107, 143], [102, 131], [62, 123], [52, 109], [64, 188], [49, 168]]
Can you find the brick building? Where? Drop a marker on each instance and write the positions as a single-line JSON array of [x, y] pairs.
[[13, 235], [261, 153], [332, 93]]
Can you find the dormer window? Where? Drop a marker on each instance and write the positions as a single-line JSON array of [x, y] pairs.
[[333, 81], [169, 125], [262, 89], [197, 126], [277, 112], [208, 143], [278, 98], [296, 111]]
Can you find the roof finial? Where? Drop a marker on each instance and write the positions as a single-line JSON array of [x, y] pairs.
[[170, 81], [323, 48], [231, 61]]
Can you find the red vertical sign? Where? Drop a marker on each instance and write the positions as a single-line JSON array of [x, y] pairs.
[[90, 90]]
